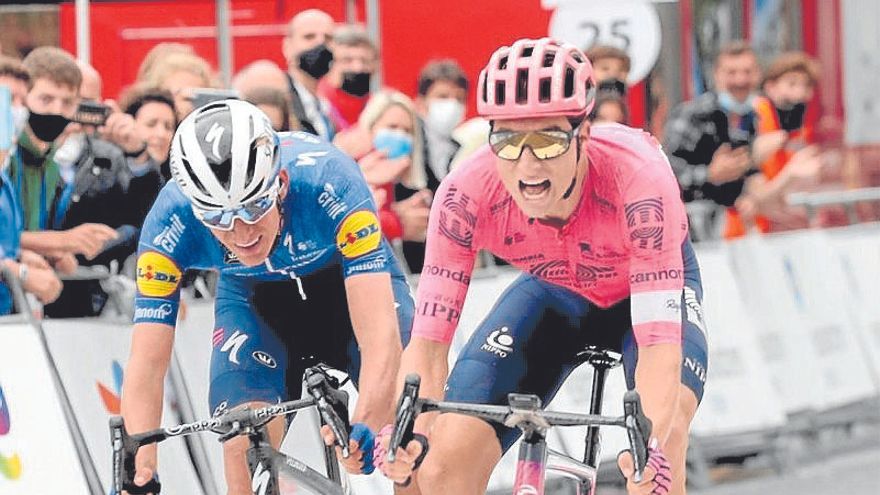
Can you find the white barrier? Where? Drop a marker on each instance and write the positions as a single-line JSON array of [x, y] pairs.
[[37, 454], [91, 355], [736, 370]]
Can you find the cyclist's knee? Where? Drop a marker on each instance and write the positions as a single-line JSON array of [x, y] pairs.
[[463, 452]]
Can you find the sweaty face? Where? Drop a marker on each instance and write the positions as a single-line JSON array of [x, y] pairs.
[[738, 75], [537, 186], [789, 89], [251, 244]]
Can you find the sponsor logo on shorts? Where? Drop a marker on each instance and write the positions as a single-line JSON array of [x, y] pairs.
[[657, 276], [170, 235], [158, 313], [458, 276], [233, 344], [697, 368], [551, 270], [265, 359], [220, 409], [157, 274], [589, 275], [499, 343], [359, 234]]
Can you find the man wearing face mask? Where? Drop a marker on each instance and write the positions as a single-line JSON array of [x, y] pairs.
[[442, 93], [14, 76], [783, 147], [308, 60], [347, 85], [52, 99], [707, 140]]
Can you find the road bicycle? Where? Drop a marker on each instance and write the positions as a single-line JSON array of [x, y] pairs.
[[264, 461], [524, 411]]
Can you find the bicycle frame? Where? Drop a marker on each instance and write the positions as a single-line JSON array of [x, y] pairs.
[[264, 462]]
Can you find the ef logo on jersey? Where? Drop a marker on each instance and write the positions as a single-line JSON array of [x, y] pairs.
[[359, 234], [157, 275]]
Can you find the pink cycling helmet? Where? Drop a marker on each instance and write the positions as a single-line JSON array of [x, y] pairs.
[[536, 78]]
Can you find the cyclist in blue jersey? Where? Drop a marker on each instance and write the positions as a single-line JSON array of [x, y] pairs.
[[305, 277]]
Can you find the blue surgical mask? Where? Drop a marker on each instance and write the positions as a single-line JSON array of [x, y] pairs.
[[394, 143], [732, 105]]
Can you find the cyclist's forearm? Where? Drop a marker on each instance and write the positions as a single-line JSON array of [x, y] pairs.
[[658, 381], [371, 307], [429, 359], [142, 394]]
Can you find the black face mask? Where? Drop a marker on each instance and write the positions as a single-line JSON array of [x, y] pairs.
[[316, 62], [356, 83], [47, 126], [792, 118], [614, 86]]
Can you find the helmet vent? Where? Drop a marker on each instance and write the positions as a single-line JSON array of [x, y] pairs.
[[569, 82], [544, 90], [502, 64], [499, 92], [252, 162], [522, 86], [527, 51], [192, 175], [549, 57]]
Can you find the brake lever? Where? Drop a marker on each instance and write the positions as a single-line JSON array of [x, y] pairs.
[[125, 449], [638, 429], [332, 405], [406, 415]]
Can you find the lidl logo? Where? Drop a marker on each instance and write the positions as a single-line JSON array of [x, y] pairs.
[[359, 234], [157, 275], [10, 465], [111, 397]]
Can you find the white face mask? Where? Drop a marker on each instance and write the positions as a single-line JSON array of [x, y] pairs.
[[70, 151], [444, 115], [19, 119]]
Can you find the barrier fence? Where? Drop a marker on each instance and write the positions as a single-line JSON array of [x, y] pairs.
[[794, 343]]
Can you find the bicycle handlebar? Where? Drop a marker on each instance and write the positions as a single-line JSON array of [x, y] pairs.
[[331, 403], [523, 411]]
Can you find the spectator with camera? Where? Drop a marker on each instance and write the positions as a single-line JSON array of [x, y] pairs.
[[707, 140], [155, 120]]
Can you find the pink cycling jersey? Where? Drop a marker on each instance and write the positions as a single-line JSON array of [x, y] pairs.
[[624, 239]]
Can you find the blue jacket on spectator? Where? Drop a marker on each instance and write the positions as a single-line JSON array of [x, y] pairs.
[[11, 224]]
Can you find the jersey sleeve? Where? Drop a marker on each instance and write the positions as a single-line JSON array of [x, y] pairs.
[[165, 251], [449, 258], [656, 225], [346, 198]]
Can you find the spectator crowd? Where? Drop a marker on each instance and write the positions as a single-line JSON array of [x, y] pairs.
[[81, 172]]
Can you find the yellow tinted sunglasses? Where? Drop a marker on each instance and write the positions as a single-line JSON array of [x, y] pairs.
[[545, 144]]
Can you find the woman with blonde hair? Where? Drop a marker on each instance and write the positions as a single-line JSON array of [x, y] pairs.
[[387, 145], [179, 73]]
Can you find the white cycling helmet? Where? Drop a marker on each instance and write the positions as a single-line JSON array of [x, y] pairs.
[[224, 154]]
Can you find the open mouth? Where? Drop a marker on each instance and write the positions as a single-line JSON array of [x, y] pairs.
[[249, 244], [534, 189]]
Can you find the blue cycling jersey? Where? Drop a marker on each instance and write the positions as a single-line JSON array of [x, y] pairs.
[[329, 218], [11, 225]]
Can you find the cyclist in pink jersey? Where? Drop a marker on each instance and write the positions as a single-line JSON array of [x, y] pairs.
[[593, 218]]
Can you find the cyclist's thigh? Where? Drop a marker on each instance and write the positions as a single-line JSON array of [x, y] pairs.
[[527, 344], [693, 336], [248, 362]]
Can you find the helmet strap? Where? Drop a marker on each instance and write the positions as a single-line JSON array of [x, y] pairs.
[[577, 162]]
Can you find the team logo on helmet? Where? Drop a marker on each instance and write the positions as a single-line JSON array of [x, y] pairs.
[[359, 234], [157, 275]]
